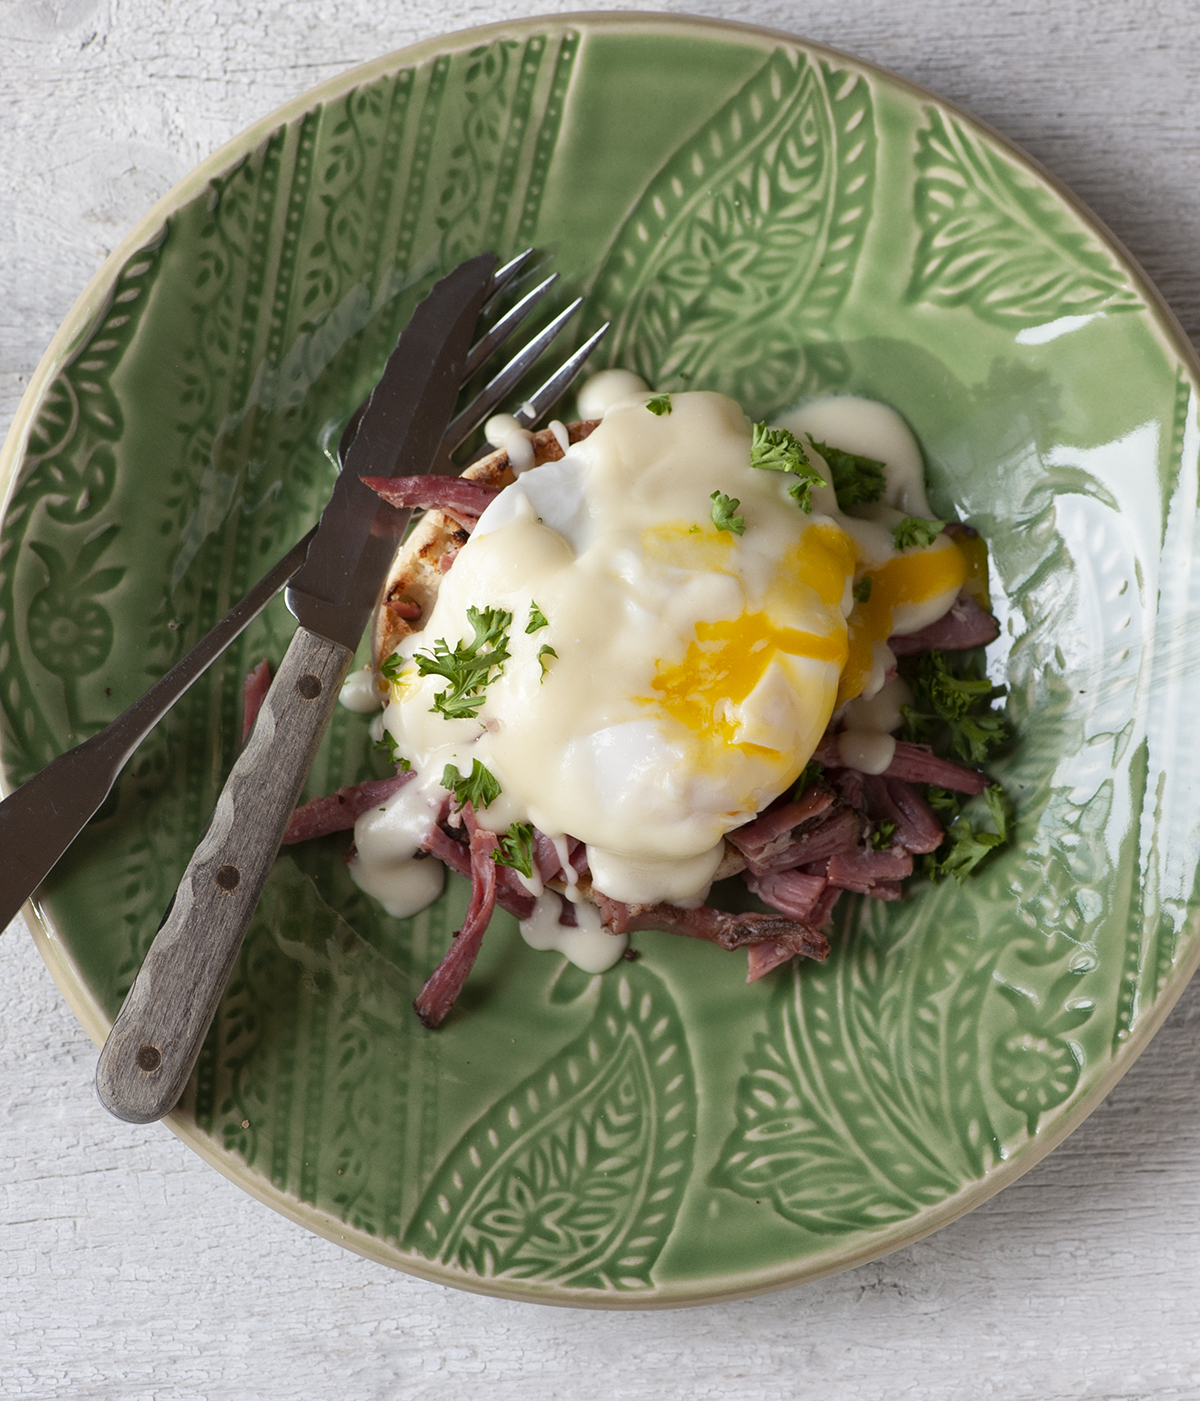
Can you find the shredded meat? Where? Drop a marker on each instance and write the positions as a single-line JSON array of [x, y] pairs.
[[917, 827], [728, 930], [824, 906], [545, 856], [967, 624], [771, 833], [862, 870], [341, 810], [917, 763], [764, 957], [460, 497], [849, 783], [841, 831], [511, 895], [914, 763], [792, 893], [439, 994]]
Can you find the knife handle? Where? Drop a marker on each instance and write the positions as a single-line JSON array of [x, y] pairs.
[[156, 1039]]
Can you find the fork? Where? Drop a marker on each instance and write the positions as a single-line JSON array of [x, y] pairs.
[[40, 820]]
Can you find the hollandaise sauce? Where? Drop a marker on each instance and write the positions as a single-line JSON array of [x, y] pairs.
[[643, 642]]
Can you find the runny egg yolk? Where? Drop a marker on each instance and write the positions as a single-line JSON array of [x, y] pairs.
[[908, 579], [729, 658], [724, 665]]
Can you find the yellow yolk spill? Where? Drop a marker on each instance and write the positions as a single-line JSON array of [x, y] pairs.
[[685, 545], [724, 665], [907, 579], [975, 554], [823, 561], [728, 659]]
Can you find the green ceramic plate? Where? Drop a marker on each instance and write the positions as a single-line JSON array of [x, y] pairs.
[[760, 216]]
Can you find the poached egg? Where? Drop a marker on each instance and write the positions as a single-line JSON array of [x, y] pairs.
[[666, 678]]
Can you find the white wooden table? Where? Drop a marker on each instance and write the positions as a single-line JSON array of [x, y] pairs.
[[130, 1270]]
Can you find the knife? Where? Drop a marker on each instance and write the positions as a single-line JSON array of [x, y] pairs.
[[40, 819], [156, 1039]]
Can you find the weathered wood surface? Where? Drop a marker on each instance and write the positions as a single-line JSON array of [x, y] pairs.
[[174, 998], [128, 1269]]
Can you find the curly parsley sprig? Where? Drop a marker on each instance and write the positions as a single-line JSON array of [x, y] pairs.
[[857, 481], [915, 530], [387, 745], [723, 513], [480, 787], [965, 845], [777, 450], [881, 837], [952, 706], [471, 666], [515, 848]]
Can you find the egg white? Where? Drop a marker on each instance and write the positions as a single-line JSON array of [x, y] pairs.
[[623, 741], [693, 670]]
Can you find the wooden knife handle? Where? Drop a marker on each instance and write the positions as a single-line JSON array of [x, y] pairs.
[[157, 1036]]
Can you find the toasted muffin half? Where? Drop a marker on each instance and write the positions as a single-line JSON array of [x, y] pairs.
[[423, 559]]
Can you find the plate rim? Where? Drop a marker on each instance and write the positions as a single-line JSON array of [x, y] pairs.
[[75, 329]]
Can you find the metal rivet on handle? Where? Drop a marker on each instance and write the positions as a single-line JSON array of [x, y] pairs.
[[148, 1058], [228, 877], [309, 686]]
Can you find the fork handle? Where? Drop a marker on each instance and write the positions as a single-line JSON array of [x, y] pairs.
[[156, 1039]]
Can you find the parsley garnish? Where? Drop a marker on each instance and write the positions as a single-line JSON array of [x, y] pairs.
[[480, 788], [945, 803], [537, 619], [914, 530], [857, 481], [811, 773], [881, 837], [722, 513], [968, 847], [862, 590], [953, 708], [516, 848], [471, 666], [387, 745], [777, 450], [546, 651], [659, 405], [392, 667]]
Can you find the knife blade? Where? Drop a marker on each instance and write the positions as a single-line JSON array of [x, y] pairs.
[[154, 1043]]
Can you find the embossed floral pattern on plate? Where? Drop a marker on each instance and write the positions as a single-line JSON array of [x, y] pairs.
[[756, 215]]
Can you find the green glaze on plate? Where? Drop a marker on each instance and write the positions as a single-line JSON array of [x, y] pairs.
[[755, 215]]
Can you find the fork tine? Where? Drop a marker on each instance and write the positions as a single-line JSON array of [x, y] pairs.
[[486, 346], [503, 276], [559, 382], [483, 348], [493, 394]]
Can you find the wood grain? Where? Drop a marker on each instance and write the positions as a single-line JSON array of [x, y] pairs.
[[129, 1269], [156, 1039]]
